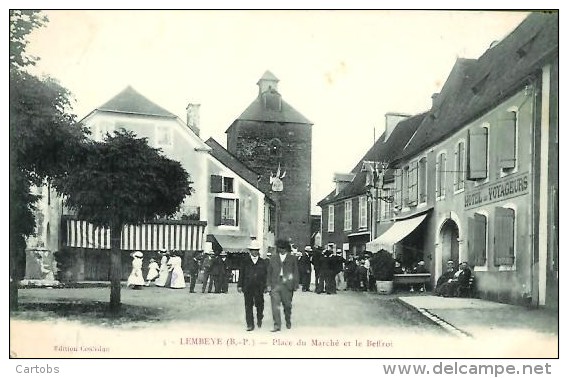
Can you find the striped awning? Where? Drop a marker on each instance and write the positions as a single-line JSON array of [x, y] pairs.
[[171, 235]]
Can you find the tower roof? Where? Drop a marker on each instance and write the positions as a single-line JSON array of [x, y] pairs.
[[268, 76], [258, 111], [130, 101]]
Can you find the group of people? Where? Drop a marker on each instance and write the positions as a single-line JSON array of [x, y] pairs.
[[216, 272], [453, 280], [168, 274]]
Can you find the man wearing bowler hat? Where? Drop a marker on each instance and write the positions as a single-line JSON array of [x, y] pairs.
[[252, 283], [282, 281]]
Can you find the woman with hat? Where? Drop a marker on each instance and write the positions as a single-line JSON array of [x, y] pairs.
[[136, 279], [163, 276], [153, 271], [177, 280]]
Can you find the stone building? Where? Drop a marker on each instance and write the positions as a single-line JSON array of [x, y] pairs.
[[275, 140]]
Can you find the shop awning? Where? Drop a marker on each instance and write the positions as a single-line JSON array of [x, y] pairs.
[[230, 243], [398, 231]]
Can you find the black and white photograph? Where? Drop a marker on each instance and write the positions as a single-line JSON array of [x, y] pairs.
[[284, 184]]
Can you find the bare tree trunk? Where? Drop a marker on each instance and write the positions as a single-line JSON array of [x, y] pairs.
[[115, 266], [14, 276], [13, 293]]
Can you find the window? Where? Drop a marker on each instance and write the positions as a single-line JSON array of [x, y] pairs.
[[412, 184], [507, 133], [459, 169], [164, 136], [504, 236], [228, 185], [386, 207], [477, 153], [422, 180], [330, 218], [363, 212], [226, 211], [275, 146], [441, 176], [477, 239], [348, 216], [220, 184]]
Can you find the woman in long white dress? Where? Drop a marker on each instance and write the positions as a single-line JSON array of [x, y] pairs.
[[178, 281], [153, 272], [163, 274], [136, 279]]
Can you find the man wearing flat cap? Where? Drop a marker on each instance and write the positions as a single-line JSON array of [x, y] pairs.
[[282, 281], [252, 283]]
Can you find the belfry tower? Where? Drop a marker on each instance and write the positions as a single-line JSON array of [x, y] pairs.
[[275, 140]]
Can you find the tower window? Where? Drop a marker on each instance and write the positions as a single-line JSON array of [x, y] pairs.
[[275, 147]]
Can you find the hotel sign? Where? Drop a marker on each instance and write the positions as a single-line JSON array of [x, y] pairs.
[[500, 190]]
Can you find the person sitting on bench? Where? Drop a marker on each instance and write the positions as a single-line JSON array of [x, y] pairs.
[[446, 276], [459, 280]]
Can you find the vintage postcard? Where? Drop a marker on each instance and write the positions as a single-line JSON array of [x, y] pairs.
[[272, 184]]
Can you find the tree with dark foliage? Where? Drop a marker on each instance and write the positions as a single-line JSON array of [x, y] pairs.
[[120, 181], [44, 138]]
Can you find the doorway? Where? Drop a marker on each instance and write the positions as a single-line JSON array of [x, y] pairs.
[[449, 235]]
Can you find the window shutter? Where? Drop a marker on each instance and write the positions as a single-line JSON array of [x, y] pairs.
[[237, 212], [477, 239], [217, 210], [422, 179], [504, 236], [507, 140], [405, 184], [456, 168], [477, 154], [216, 184], [438, 176], [398, 187], [414, 194], [443, 175]]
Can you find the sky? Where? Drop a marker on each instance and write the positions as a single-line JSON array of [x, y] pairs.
[[343, 70]]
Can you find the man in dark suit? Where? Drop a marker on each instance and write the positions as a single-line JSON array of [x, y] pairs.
[[206, 266], [305, 268], [336, 264], [252, 283], [282, 281], [316, 262], [193, 270], [327, 273], [225, 272]]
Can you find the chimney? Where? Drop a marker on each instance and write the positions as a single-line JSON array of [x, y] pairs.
[[342, 180], [391, 120], [193, 117]]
